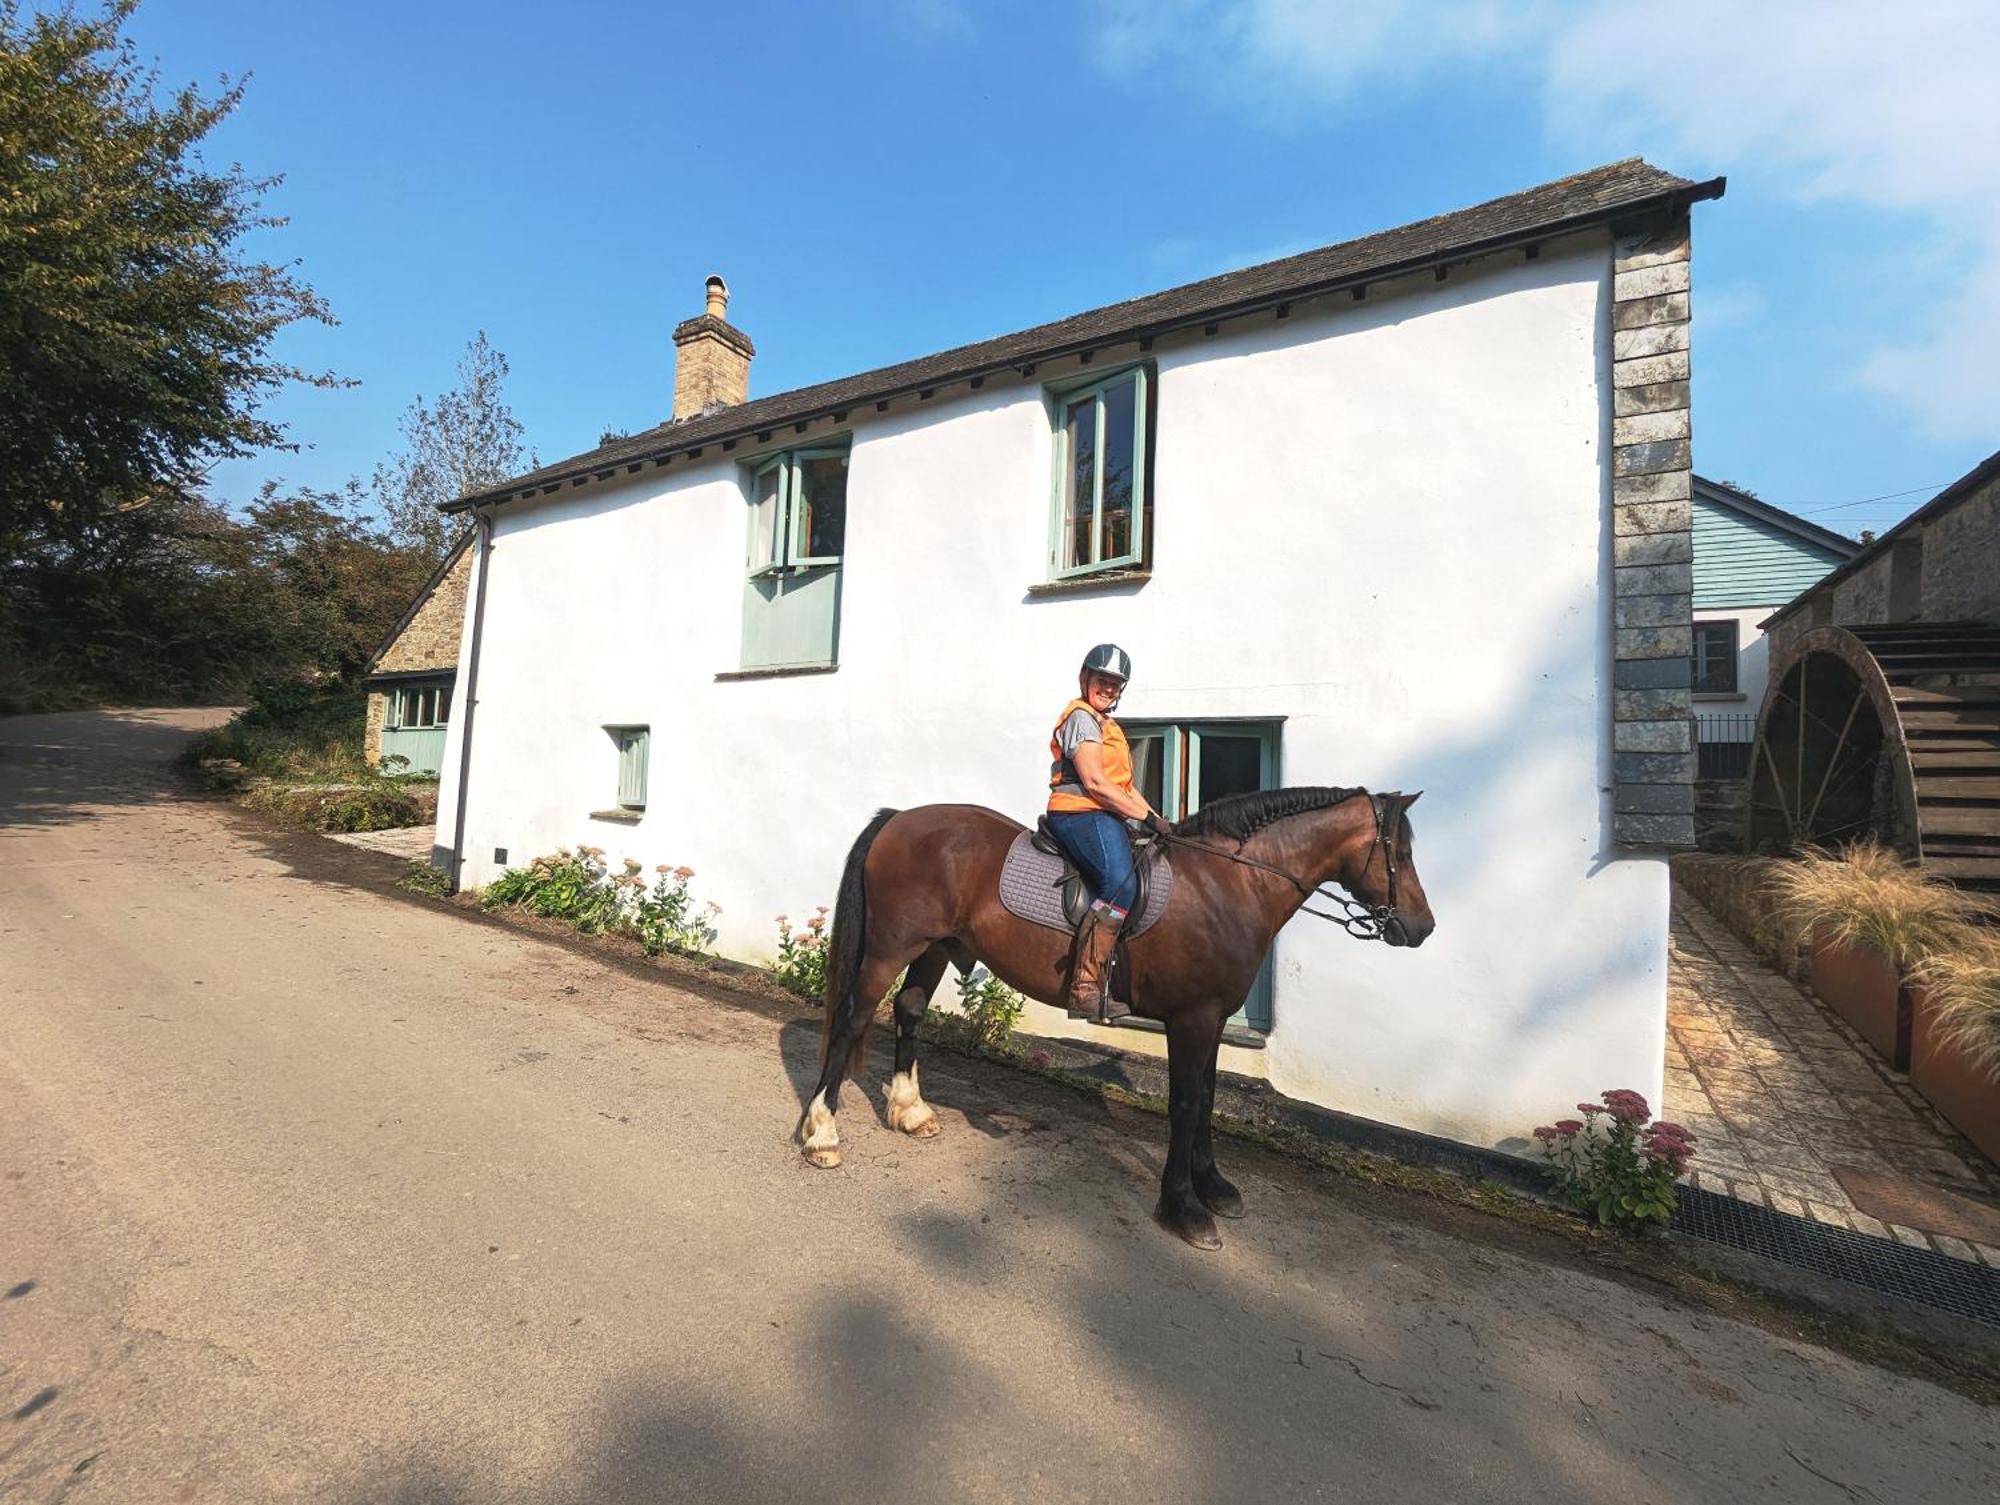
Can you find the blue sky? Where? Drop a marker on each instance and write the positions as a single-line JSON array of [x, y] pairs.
[[885, 178]]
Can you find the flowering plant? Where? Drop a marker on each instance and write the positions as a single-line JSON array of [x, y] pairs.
[[991, 1007], [1615, 1166], [802, 955], [665, 917]]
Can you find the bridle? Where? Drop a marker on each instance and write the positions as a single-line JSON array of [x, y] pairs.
[[1365, 922]]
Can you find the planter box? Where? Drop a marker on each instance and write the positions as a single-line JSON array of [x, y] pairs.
[[1859, 984], [1964, 1094]]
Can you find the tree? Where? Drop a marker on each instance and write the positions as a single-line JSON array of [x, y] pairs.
[[135, 329], [464, 441]]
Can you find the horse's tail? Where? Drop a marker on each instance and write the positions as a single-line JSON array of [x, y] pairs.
[[849, 940]]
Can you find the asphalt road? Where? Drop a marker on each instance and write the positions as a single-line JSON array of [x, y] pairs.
[[314, 1192]]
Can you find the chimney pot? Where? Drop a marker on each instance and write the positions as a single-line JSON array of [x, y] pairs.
[[718, 298]]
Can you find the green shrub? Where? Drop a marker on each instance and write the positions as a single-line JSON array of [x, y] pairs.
[[430, 882], [294, 731], [578, 887], [374, 806], [991, 1008], [802, 956]]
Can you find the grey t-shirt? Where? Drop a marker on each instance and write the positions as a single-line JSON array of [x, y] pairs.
[[1078, 728]]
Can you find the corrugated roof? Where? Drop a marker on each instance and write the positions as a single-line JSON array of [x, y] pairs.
[[1605, 193]]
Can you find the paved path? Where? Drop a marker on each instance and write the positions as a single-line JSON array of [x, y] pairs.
[[1781, 1092], [313, 1191]]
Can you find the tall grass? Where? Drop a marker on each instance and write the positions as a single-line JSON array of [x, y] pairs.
[[1963, 985], [296, 733], [1865, 895]]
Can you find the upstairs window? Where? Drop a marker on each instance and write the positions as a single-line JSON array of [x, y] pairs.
[[1101, 482], [1715, 658], [798, 511], [798, 534]]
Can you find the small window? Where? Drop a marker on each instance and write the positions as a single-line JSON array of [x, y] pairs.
[[1101, 481], [798, 511], [419, 707], [634, 748], [1715, 658]]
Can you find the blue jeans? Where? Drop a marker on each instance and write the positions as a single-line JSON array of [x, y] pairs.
[[1101, 847]]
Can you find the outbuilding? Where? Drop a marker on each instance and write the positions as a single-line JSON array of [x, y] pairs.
[[1412, 511]]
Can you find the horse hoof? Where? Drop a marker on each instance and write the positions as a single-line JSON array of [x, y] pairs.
[[1220, 1198], [826, 1157], [924, 1127], [928, 1129], [1196, 1227]]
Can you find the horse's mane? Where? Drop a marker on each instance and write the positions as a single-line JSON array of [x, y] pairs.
[[1241, 816]]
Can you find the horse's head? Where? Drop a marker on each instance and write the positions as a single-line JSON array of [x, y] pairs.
[[1385, 874]]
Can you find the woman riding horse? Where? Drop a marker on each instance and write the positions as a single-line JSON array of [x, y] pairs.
[[1090, 799]]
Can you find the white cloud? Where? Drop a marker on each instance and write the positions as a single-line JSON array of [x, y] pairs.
[[1843, 102]]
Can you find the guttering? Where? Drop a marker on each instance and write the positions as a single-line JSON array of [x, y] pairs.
[[1022, 361], [469, 700]]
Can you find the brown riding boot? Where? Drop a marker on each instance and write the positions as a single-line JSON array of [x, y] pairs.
[[1090, 971]]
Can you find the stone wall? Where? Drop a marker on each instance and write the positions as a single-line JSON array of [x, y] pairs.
[[371, 735], [1738, 891], [430, 639], [1961, 576], [1653, 541]]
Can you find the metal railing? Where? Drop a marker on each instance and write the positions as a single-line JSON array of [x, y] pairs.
[[1722, 745]]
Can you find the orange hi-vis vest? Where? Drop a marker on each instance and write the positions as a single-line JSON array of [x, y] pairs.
[[1066, 792]]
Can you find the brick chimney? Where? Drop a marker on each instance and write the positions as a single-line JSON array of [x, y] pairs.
[[711, 358]]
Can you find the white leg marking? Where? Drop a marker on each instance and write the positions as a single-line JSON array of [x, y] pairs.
[[907, 1109], [819, 1135]]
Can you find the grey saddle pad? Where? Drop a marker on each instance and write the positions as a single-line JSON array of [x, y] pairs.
[[1031, 889]]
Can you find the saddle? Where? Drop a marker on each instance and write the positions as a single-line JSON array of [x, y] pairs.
[[1041, 885]]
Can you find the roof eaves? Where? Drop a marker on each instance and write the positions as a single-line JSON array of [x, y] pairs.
[[980, 360]]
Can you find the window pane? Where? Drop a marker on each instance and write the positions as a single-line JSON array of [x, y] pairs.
[[764, 520], [1121, 410], [1715, 658], [823, 500], [1149, 770], [1079, 482], [1230, 765], [444, 705]]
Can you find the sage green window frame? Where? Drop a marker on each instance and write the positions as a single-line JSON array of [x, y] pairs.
[[1062, 398], [791, 527], [635, 748], [418, 707]]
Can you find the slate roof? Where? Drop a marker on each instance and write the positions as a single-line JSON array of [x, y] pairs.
[[1621, 190]]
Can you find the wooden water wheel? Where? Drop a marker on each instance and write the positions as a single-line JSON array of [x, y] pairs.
[[1890, 731]]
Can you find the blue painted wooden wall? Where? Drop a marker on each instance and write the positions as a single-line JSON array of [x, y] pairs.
[[1740, 561]]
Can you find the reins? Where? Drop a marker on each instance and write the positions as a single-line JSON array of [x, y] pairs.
[[1364, 922]]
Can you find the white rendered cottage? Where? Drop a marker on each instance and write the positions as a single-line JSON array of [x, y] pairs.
[[1410, 512]]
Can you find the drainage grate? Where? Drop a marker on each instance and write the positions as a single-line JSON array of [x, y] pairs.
[[1922, 1276]]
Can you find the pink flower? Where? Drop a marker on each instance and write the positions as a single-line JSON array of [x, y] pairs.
[[1626, 1106], [683, 873], [1661, 1129], [631, 865], [816, 923], [1546, 1131], [822, 909], [1568, 1126], [1590, 1110], [661, 868], [1039, 1058]]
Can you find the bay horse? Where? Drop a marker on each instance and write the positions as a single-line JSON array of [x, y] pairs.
[[921, 890]]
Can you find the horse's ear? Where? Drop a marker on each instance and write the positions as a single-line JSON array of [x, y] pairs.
[[1411, 799]]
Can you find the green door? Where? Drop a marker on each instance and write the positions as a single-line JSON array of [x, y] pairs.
[[1180, 766]]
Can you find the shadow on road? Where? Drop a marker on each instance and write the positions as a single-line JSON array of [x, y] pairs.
[[55, 769]]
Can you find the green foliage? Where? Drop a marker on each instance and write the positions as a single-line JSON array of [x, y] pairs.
[[1615, 1167], [579, 887], [375, 806], [430, 882], [801, 963], [665, 917], [293, 731], [991, 1008], [135, 332], [463, 441]]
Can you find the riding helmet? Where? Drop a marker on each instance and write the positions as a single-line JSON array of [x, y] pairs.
[[1108, 658]]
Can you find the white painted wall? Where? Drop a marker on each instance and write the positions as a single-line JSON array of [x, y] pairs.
[[1385, 523], [1753, 662]]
